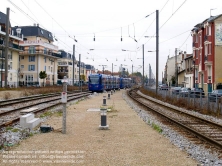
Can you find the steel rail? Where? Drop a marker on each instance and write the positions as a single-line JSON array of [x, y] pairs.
[[42, 109], [196, 133]]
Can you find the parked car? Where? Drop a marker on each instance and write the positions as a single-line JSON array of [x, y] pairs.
[[215, 95], [184, 92], [176, 90], [164, 87], [197, 93]]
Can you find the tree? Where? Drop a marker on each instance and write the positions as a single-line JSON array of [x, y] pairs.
[[42, 75]]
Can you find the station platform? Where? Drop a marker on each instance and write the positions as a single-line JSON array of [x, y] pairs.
[[127, 141]]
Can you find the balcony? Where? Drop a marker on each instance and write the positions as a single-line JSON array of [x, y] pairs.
[[63, 71], [39, 43], [15, 46], [40, 52]]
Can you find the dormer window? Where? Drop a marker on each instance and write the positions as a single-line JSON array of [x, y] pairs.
[[41, 31], [49, 35]]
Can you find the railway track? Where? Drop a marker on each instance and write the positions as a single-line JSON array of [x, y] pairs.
[[203, 130], [41, 102]]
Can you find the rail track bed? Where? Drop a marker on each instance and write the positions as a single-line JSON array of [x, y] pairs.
[[10, 109], [197, 129]]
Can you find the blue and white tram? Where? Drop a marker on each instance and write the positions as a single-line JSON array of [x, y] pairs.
[[97, 82], [101, 82]]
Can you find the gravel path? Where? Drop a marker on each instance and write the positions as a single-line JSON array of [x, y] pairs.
[[129, 140]]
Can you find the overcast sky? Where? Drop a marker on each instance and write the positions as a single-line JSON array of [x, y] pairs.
[[108, 20]]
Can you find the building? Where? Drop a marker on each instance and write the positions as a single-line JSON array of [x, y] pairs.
[[13, 53], [89, 70], [207, 51], [65, 67], [40, 54]]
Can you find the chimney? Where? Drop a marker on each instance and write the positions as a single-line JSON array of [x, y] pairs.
[[185, 54], [37, 25], [34, 24]]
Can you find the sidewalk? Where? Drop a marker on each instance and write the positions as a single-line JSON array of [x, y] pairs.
[[129, 140]]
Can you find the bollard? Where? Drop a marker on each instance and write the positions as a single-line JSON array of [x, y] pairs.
[[111, 92], [104, 100], [108, 95], [103, 119], [114, 90]]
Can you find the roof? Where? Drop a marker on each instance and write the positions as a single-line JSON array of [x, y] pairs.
[[34, 31], [210, 19], [3, 19]]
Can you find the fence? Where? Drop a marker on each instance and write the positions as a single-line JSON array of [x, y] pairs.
[[197, 101]]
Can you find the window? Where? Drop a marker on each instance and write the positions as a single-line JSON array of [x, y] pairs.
[[51, 69], [31, 67], [10, 67], [29, 77], [196, 40], [48, 68], [45, 50], [31, 58], [208, 30], [200, 40], [45, 68], [31, 49], [41, 31], [22, 66], [45, 59], [206, 49], [209, 49], [21, 76], [10, 76], [22, 57]]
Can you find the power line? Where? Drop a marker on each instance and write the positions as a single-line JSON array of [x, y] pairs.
[[175, 36], [168, 19], [172, 14], [185, 41]]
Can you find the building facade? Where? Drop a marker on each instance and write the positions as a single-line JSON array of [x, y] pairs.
[[207, 51], [40, 54], [13, 54]]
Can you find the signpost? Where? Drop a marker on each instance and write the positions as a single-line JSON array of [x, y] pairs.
[[64, 101]]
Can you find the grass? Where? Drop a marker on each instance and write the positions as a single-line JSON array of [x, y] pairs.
[[27, 91], [157, 127], [9, 128], [15, 130], [46, 114], [59, 113]]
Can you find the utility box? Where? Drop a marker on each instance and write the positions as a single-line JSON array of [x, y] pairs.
[[64, 97]]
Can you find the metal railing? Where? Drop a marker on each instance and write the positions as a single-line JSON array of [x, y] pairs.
[[197, 99]]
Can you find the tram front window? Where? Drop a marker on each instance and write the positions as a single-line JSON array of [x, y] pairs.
[[94, 80]]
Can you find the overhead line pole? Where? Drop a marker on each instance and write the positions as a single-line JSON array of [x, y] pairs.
[[157, 48], [143, 65], [6, 47], [73, 66]]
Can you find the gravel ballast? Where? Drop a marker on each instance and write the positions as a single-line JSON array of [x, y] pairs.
[[128, 141]]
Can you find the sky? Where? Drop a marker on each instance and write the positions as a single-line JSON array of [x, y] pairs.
[[109, 21]]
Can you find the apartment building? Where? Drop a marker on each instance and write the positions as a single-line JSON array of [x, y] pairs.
[[13, 53], [207, 51], [40, 54], [65, 67]]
